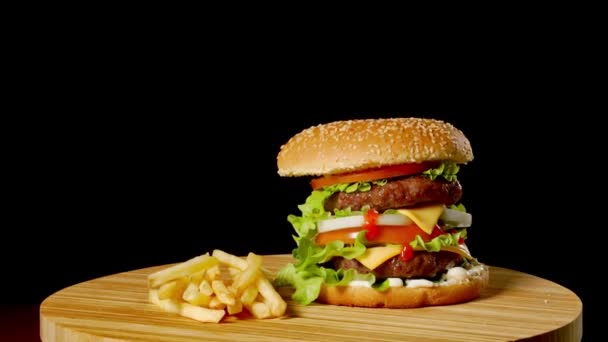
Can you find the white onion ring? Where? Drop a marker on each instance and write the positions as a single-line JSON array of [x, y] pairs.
[[454, 218], [358, 221]]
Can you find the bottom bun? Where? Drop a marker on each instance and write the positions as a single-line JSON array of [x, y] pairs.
[[405, 297]]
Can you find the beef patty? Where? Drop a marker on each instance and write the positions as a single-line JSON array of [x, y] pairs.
[[423, 265], [398, 193]]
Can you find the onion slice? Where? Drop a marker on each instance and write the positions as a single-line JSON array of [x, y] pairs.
[[456, 218], [452, 217], [358, 221]]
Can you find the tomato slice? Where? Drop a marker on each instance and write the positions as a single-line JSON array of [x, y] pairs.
[[386, 234], [373, 174]]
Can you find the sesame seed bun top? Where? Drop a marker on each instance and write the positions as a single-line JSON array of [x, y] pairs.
[[346, 146]]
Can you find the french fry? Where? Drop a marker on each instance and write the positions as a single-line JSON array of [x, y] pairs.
[[194, 297], [213, 273], [234, 272], [229, 259], [167, 305], [205, 288], [215, 303], [249, 274], [274, 300], [222, 292], [198, 277], [201, 314], [212, 288], [234, 309], [199, 299], [172, 289], [153, 296], [259, 310], [190, 290], [181, 270], [249, 295]]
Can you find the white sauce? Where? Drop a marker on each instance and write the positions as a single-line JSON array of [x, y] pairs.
[[419, 283], [360, 283], [455, 275], [395, 282]]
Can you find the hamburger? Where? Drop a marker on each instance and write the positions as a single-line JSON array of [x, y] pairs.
[[383, 225]]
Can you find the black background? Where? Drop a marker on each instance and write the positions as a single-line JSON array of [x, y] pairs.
[[141, 170]]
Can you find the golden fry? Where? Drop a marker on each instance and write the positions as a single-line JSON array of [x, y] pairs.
[[201, 314], [215, 303], [181, 270], [259, 310], [229, 259], [249, 274], [222, 292], [207, 287], [197, 277], [194, 297], [249, 295], [172, 289], [274, 300], [235, 308]]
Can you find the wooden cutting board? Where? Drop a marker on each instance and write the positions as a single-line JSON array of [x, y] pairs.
[[515, 306]]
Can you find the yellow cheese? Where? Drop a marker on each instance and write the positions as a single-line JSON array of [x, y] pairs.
[[425, 217], [375, 256], [460, 249]]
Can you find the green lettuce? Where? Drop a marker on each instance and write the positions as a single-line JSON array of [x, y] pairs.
[[307, 275], [447, 170], [435, 245], [383, 286], [458, 207], [357, 186], [312, 212]]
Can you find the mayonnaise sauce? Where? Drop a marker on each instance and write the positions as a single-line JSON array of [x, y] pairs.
[[455, 275]]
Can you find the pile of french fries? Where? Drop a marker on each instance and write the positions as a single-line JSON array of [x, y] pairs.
[[207, 287]]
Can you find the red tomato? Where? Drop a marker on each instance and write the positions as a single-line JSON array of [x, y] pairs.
[[373, 174], [386, 234]]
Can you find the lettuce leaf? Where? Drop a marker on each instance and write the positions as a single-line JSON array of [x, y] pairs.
[[435, 245], [383, 286], [459, 207], [354, 187], [447, 170], [307, 275], [308, 283]]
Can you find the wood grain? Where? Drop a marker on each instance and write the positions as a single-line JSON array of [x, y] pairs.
[[515, 306]]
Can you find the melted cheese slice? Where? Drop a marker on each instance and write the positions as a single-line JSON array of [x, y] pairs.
[[375, 256], [425, 217]]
